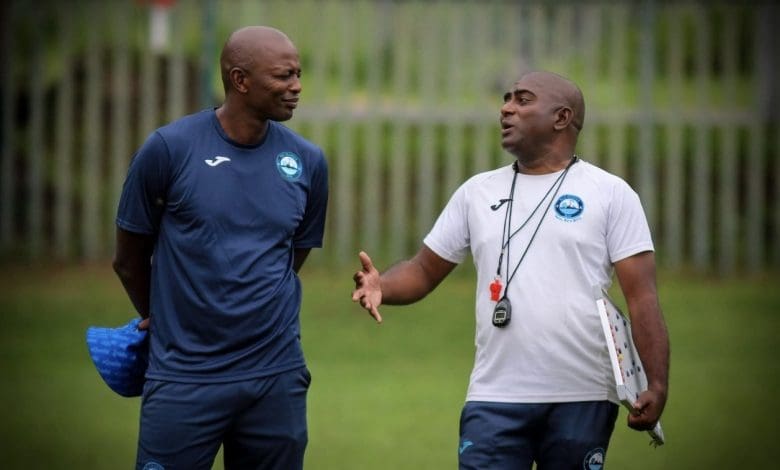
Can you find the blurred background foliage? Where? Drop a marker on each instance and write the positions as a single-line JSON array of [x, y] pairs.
[[403, 96]]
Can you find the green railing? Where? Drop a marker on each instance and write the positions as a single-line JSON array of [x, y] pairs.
[[404, 96]]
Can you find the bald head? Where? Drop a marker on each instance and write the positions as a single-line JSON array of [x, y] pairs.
[[247, 46], [560, 90]]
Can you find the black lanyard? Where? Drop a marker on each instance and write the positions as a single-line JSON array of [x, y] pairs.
[[506, 235]]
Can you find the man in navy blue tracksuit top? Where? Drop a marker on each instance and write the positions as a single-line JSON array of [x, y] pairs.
[[217, 215]]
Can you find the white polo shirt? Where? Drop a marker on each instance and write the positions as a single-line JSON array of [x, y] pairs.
[[553, 349]]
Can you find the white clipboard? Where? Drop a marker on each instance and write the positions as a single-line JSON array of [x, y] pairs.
[[630, 378]]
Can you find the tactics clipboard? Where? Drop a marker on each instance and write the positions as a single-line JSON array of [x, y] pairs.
[[629, 374]]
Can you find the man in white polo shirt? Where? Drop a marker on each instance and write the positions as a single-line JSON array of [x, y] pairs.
[[543, 232]]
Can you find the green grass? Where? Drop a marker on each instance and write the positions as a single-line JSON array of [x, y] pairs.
[[389, 396]]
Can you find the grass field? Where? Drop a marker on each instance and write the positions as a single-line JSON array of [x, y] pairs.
[[389, 396]]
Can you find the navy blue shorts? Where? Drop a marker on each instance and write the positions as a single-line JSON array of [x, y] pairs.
[[261, 423], [504, 436]]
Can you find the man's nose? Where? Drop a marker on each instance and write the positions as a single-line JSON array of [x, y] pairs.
[[506, 108], [296, 85]]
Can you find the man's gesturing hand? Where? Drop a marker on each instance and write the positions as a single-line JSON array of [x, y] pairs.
[[368, 289]]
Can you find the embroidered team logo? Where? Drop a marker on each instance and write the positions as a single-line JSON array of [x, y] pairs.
[[569, 208], [289, 165], [152, 465], [594, 460]]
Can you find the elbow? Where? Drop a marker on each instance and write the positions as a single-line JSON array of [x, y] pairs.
[[120, 268], [132, 258], [126, 269]]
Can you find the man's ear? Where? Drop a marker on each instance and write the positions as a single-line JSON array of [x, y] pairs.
[[563, 117], [238, 79]]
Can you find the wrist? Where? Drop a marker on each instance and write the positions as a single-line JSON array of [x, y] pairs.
[[658, 388]]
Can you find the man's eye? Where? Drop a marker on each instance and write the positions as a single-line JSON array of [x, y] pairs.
[[286, 75]]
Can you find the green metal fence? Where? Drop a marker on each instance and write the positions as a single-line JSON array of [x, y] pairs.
[[404, 98]]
